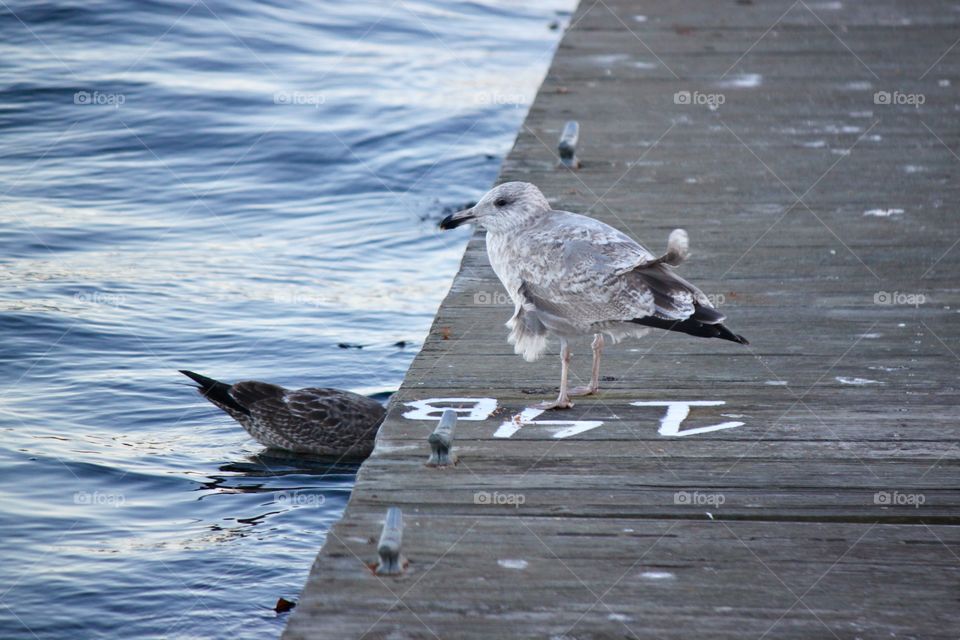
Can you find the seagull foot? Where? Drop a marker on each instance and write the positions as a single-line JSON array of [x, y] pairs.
[[559, 403], [585, 390]]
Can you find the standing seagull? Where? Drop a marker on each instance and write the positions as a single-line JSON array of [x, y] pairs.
[[323, 422], [569, 275]]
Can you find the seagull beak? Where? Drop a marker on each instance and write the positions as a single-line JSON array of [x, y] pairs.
[[454, 220]]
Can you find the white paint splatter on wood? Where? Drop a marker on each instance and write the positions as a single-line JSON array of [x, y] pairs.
[[856, 381], [561, 428], [657, 575]]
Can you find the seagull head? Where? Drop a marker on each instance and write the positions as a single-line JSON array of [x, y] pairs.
[[503, 208]]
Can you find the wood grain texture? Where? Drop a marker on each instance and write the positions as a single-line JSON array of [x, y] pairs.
[[802, 523]]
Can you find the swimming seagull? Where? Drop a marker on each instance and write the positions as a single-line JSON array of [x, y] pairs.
[[570, 275], [324, 422]]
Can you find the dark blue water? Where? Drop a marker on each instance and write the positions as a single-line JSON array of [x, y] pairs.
[[232, 187]]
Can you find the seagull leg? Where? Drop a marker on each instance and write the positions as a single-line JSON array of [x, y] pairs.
[[563, 400], [594, 385]]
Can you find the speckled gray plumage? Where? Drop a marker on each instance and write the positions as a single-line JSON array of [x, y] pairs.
[[318, 421], [572, 275]]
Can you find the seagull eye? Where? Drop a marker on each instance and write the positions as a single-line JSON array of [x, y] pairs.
[[501, 202]]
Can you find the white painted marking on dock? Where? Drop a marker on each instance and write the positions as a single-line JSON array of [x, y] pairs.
[[562, 428], [478, 409], [677, 412]]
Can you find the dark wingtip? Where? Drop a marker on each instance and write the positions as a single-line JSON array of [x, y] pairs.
[[726, 334]]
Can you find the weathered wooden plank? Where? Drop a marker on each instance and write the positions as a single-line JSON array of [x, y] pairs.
[[724, 579]]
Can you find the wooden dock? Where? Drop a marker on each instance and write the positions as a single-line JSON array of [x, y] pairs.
[[818, 496]]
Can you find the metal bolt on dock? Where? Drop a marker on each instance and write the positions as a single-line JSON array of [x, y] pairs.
[[441, 441], [568, 144], [391, 539]]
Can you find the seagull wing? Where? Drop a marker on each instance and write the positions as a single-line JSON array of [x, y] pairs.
[[577, 272], [251, 393], [340, 420], [312, 417], [336, 409]]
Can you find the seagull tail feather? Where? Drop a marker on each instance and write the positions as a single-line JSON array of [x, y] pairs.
[[678, 248], [693, 328], [215, 391]]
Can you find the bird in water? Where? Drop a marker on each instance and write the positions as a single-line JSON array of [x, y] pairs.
[[322, 422], [570, 275]]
